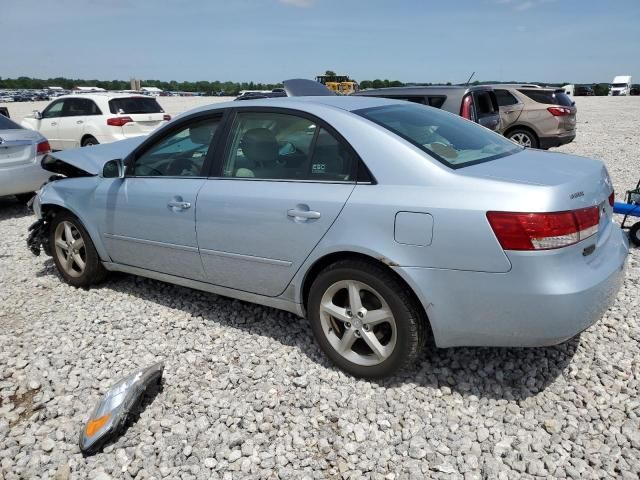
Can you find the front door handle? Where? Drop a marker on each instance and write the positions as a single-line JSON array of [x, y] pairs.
[[79, 122], [298, 213], [179, 205], [53, 124]]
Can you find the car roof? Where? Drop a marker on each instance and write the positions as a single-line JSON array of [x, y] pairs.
[[343, 102]]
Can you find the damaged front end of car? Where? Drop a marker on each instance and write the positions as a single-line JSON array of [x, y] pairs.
[[38, 232]]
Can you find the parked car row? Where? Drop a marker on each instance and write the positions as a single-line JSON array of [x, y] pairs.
[[79, 120], [386, 223]]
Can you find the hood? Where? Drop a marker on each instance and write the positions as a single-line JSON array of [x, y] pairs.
[[535, 167], [89, 160]]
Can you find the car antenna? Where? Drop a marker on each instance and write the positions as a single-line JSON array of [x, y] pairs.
[[467, 84]]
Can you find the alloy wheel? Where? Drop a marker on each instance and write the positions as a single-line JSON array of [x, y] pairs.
[[358, 322], [522, 139], [70, 248]]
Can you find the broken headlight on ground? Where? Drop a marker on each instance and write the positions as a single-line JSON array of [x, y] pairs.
[[112, 411]]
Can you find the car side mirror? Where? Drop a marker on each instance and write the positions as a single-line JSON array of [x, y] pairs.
[[113, 169], [37, 115]]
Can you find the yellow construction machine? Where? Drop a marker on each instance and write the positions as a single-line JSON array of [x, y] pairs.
[[341, 84]]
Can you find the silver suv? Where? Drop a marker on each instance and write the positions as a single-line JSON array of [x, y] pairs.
[[536, 117]]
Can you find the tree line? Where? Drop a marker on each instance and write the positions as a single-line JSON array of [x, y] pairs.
[[213, 87]]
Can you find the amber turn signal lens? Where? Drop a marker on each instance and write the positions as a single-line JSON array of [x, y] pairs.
[[94, 425]]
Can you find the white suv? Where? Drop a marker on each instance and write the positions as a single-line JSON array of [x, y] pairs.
[[88, 119]]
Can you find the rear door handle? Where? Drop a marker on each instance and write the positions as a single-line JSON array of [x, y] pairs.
[[79, 122], [179, 205], [53, 124], [303, 214]]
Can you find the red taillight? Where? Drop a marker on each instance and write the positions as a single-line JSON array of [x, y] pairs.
[[466, 110], [559, 111], [543, 231], [119, 121], [612, 198], [43, 147], [166, 117]]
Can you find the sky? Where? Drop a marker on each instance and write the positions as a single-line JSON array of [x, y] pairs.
[[575, 41]]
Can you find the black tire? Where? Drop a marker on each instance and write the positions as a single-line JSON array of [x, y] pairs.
[[634, 234], [410, 322], [88, 141], [24, 197], [523, 132], [93, 272]]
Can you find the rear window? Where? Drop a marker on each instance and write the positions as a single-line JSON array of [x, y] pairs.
[[133, 105], [548, 97], [446, 137], [7, 124]]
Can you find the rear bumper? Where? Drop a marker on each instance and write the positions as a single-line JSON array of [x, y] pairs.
[[556, 141], [543, 300], [22, 178]]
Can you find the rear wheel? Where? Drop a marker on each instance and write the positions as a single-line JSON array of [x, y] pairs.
[[634, 234], [524, 137], [364, 319], [89, 141], [73, 252]]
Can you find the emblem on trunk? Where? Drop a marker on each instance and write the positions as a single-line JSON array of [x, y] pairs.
[[576, 195]]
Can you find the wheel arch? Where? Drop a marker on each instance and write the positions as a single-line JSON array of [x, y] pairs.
[[87, 135], [330, 258], [51, 208], [529, 129]]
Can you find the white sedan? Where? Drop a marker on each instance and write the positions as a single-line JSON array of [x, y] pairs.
[[81, 120], [21, 151]]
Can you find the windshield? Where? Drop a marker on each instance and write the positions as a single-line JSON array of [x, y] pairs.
[[618, 85], [446, 137], [7, 124], [133, 105]]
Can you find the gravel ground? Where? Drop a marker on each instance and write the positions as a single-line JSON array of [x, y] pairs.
[[248, 394]]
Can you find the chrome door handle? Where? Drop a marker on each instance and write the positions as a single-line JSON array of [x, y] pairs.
[[306, 214], [179, 205]]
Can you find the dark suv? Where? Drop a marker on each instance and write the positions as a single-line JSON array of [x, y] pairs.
[[478, 103]]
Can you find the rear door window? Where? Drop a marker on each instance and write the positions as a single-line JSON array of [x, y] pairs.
[[505, 98], [548, 97], [281, 146], [81, 107], [133, 105]]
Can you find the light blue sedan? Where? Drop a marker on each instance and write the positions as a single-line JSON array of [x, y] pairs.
[[385, 223]]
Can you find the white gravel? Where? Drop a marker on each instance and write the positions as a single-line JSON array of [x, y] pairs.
[[247, 392]]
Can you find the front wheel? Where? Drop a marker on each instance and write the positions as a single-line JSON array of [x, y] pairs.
[[73, 252], [364, 319]]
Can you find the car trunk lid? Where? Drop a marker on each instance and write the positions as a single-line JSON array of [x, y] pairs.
[[575, 182], [17, 147]]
